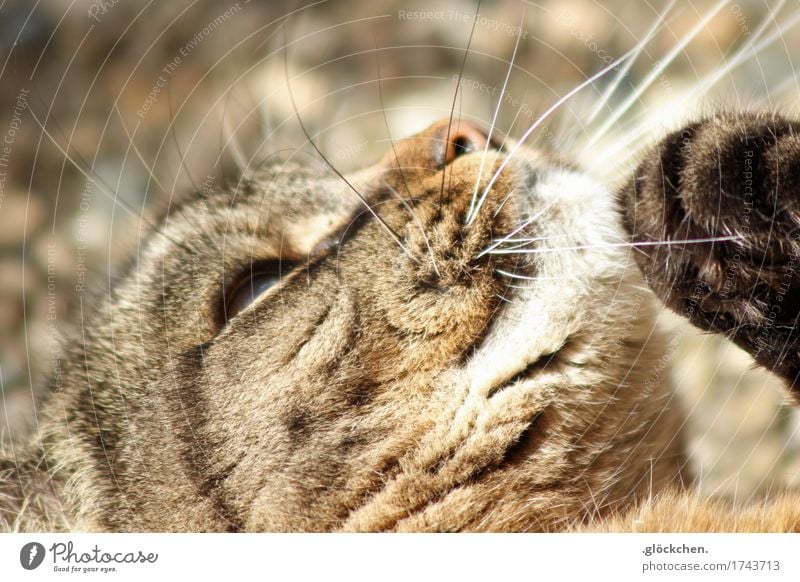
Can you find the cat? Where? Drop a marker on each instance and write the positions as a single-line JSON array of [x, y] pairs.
[[453, 339]]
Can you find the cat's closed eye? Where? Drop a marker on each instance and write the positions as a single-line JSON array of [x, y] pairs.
[[250, 284]]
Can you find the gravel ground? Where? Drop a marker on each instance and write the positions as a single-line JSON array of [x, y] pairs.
[[146, 96]]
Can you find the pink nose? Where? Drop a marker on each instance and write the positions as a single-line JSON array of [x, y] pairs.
[[464, 137]]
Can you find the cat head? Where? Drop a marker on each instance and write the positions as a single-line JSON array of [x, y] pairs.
[[453, 338]]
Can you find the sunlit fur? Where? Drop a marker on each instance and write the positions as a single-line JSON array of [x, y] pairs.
[[369, 391], [424, 366]]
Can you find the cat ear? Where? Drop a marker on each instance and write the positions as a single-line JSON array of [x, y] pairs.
[[714, 210]]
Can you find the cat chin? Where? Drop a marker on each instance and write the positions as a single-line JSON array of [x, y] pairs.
[[580, 279]]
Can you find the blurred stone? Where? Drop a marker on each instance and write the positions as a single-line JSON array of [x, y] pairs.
[[20, 214], [16, 409], [11, 278], [10, 315]]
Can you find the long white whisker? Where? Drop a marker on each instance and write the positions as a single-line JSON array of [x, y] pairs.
[[496, 111], [525, 224], [624, 70], [538, 122], [529, 278], [617, 245], [521, 243], [456, 96], [748, 51], [741, 55], [654, 74], [503, 203], [514, 121], [515, 276], [534, 239]]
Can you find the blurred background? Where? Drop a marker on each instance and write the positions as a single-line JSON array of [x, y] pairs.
[[112, 109]]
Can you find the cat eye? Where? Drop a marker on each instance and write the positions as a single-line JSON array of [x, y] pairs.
[[250, 284]]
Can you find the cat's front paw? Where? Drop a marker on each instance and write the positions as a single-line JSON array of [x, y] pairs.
[[714, 212]]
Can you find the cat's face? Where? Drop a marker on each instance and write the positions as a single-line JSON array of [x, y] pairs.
[[280, 359]]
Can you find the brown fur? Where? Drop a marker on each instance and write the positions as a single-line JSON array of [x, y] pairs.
[[683, 512], [374, 388]]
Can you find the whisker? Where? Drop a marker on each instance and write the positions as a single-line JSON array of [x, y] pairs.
[[520, 243], [408, 207], [501, 298], [104, 188], [515, 275], [538, 122], [496, 111], [617, 245], [418, 222], [522, 226], [655, 73], [150, 172], [174, 134], [751, 49], [530, 278], [503, 202], [739, 57], [230, 142], [659, 23], [455, 95], [514, 121], [460, 95], [731, 63], [534, 239], [310, 140]]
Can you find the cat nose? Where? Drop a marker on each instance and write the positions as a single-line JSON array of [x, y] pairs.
[[463, 137], [441, 144]]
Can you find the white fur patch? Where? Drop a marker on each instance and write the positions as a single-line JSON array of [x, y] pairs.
[[571, 285]]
